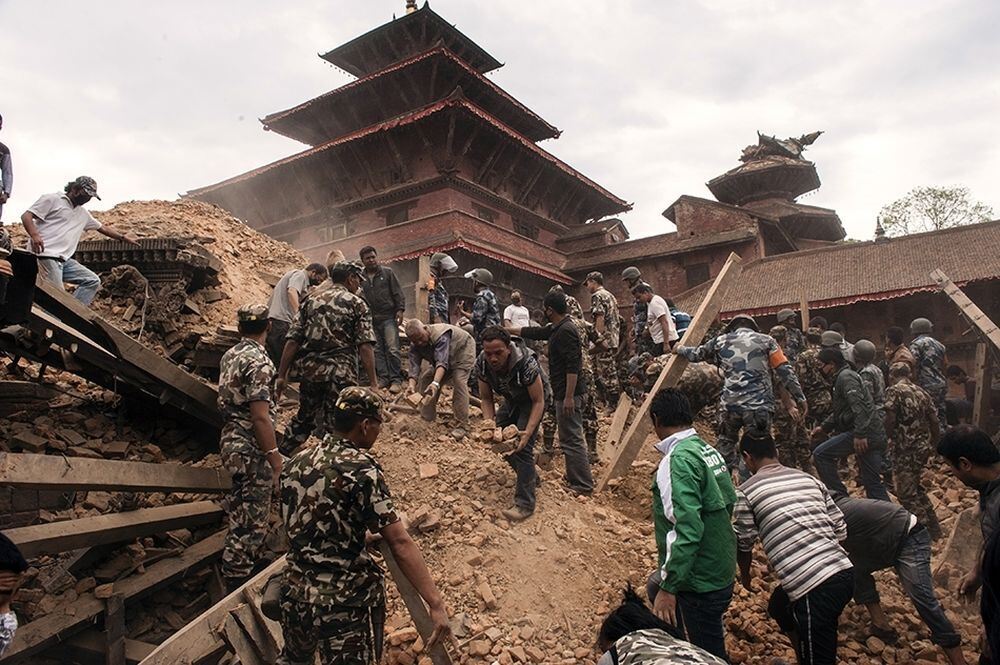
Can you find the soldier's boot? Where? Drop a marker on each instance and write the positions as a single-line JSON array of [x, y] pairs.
[[592, 447], [516, 514]]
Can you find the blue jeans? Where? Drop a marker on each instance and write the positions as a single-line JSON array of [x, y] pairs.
[[72, 271], [388, 366], [523, 461], [913, 566], [699, 615], [841, 445]]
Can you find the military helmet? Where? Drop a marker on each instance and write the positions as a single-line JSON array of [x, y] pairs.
[[743, 320], [921, 326], [785, 314], [444, 262], [631, 273], [251, 312], [778, 332], [831, 338], [481, 275], [864, 351]]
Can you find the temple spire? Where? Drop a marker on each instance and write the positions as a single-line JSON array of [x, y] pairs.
[[879, 231], [411, 6]]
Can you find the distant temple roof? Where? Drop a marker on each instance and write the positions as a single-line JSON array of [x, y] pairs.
[[414, 32], [852, 272]]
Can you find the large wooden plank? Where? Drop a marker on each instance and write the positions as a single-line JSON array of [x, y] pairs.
[[415, 605], [804, 311], [984, 379], [971, 311], [421, 294], [201, 639], [34, 637], [619, 420], [672, 371], [114, 630], [40, 472], [58, 537]]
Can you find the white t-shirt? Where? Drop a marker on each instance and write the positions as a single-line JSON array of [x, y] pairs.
[[656, 308], [60, 225], [518, 316]]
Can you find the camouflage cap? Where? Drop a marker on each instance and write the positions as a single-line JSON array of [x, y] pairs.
[[594, 276], [251, 312], [361, 402], [831, 338], [899, 369], [785, 314], [778, 332], [88, 185], [348, 267]]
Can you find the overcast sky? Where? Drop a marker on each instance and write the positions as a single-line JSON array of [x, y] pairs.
[[654, 97]]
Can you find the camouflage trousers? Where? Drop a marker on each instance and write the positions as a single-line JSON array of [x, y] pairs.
[[550, 427], [606, 371], [910, 460], [792, 442], [733, 421], [316, 402], [938, 396], [341, 635], [248, 503]]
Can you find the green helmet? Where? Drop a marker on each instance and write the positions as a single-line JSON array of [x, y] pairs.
[[744, 320], [864, 351], [784, 315], [631, 273], [921, 326], [481, 275], [831, 338]]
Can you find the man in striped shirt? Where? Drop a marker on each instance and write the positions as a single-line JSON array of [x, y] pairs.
[[800, 528]]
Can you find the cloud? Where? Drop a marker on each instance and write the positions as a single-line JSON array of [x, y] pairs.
[[655, 97]]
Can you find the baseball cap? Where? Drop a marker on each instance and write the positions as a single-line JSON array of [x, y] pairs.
[[251, 312], [88, 185], [361, 402]]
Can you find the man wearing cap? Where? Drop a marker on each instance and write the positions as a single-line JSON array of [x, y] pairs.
[[284, 303], [835, 340], [911, 423], [643, 344], [604, 310], [437, 294], [247, 445], [931, 359], [332, 495], [795, 341], [747, 359], [329, 335], [55, 223]]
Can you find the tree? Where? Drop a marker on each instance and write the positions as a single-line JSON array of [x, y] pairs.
[[931, 209]]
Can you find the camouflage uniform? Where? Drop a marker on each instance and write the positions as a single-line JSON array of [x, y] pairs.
[[333, 600], [437, 301], [910, 445], [654, 646], [929, 356], [746, 358], [602, 302], [588, 335], [246, 374], [791, 439], [485, 313], [329, 327], [815, 385], [795, 343], [573, 307], [640, 319], [700, 382]]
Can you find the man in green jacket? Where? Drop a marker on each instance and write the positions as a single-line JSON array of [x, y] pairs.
[[693, 500]]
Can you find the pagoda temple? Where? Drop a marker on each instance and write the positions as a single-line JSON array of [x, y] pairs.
[[423, 153]]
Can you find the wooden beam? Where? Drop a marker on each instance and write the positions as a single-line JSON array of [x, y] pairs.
[[415, 605], [34, 637], [494, 156], [971, 311], [804, 311], [532, 181], [422, 295], [91, 644], [46, 472], [56, 537], [201, 639], [672, 371], [984, 378], [114, 630], [619, 420]]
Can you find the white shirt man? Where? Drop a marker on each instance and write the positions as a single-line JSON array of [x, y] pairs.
[[516, 315]]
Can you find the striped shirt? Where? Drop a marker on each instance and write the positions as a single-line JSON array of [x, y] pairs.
[[798, 523]]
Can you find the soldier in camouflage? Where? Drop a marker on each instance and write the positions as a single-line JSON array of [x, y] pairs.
[[247, 445], [930, 358], [643, 343], [604, 310], [815, 384], [437, 294], [790, 434], [331, 331], [486, 308], [588, 338], [701, 383], [332, 495], [795, 341], [747, 359], [911, 422]]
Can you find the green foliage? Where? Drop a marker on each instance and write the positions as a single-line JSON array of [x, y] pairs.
[[931, 209]]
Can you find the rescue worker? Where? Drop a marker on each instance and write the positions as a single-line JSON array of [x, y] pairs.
[[247, 445], [643, 344], [604, 310], [815, 384], [486, 308], [451, 354], [795, 341], [789, 433], [931, 359], [437, 296]]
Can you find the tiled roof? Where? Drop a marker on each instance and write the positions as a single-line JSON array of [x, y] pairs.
[[846, 273], [659, 245]]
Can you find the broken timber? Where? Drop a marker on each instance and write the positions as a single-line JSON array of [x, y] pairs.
[[56, 537], [34, 637], [672, 371], [40, 472], [91, 644], [804, 312], [984, 379], [415, 605], [619, 420], [971, 311]]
